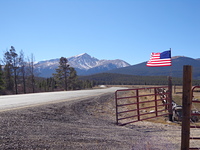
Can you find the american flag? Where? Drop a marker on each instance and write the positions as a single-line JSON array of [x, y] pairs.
[[160, 59]]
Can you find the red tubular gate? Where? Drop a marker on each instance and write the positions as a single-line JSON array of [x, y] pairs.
[[140, 104], [195, 114]]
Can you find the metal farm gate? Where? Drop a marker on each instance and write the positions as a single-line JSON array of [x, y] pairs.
[[194, 121], [191, 110], [140, 104]]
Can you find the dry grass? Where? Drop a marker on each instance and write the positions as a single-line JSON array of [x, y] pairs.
[[147, 109], [176, 95]]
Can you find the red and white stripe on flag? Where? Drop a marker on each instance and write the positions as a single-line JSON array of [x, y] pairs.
[[157, 60]]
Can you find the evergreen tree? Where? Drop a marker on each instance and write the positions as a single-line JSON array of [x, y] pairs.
[[8, 77], [62, 73], [72, 78], [11, 66], [52, 84], [1, 80]]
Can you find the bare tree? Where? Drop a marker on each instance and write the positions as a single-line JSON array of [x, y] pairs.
[[31, 72], [23, 65]]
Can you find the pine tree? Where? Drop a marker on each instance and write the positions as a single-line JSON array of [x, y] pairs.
[[11, 66], [62, 73], [72, 78], [1, 80], [8, 78]]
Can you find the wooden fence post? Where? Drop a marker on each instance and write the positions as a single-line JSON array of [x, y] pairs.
[[186, 103]]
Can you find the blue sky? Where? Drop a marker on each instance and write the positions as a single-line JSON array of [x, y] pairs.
[[106, 29]]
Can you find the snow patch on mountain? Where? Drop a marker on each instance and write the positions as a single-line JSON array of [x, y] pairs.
[[82, 63]]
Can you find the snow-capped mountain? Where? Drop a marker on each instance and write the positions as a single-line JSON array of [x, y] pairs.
[[83, 63]]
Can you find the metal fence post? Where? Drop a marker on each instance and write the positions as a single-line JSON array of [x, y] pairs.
[[156, 103], [116, 107], [170, 97], [187, 102], [138, 104]]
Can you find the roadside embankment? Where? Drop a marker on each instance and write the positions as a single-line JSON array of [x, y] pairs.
[[87, 124]]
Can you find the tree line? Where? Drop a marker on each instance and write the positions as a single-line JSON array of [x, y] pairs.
[[122, 79], [18, 75]]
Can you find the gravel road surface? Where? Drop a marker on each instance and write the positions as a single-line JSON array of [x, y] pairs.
[[24, 100], [82, 124]]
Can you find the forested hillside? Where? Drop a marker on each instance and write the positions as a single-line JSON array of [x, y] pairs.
[[176, 70], [18, 75], [121, 79]]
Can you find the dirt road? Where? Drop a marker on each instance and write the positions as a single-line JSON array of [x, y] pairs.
[[84, 124]]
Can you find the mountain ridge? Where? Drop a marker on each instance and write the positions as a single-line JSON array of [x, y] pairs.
[[88, 65], [83, 63], [176, 70]]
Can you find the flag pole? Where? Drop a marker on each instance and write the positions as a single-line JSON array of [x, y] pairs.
[[171, 64], [170, 91]]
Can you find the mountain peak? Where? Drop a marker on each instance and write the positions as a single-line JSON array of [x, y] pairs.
[[177, 57], [83, 63], [83, 54]]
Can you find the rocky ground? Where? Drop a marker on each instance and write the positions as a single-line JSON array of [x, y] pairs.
[[87, 124]]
